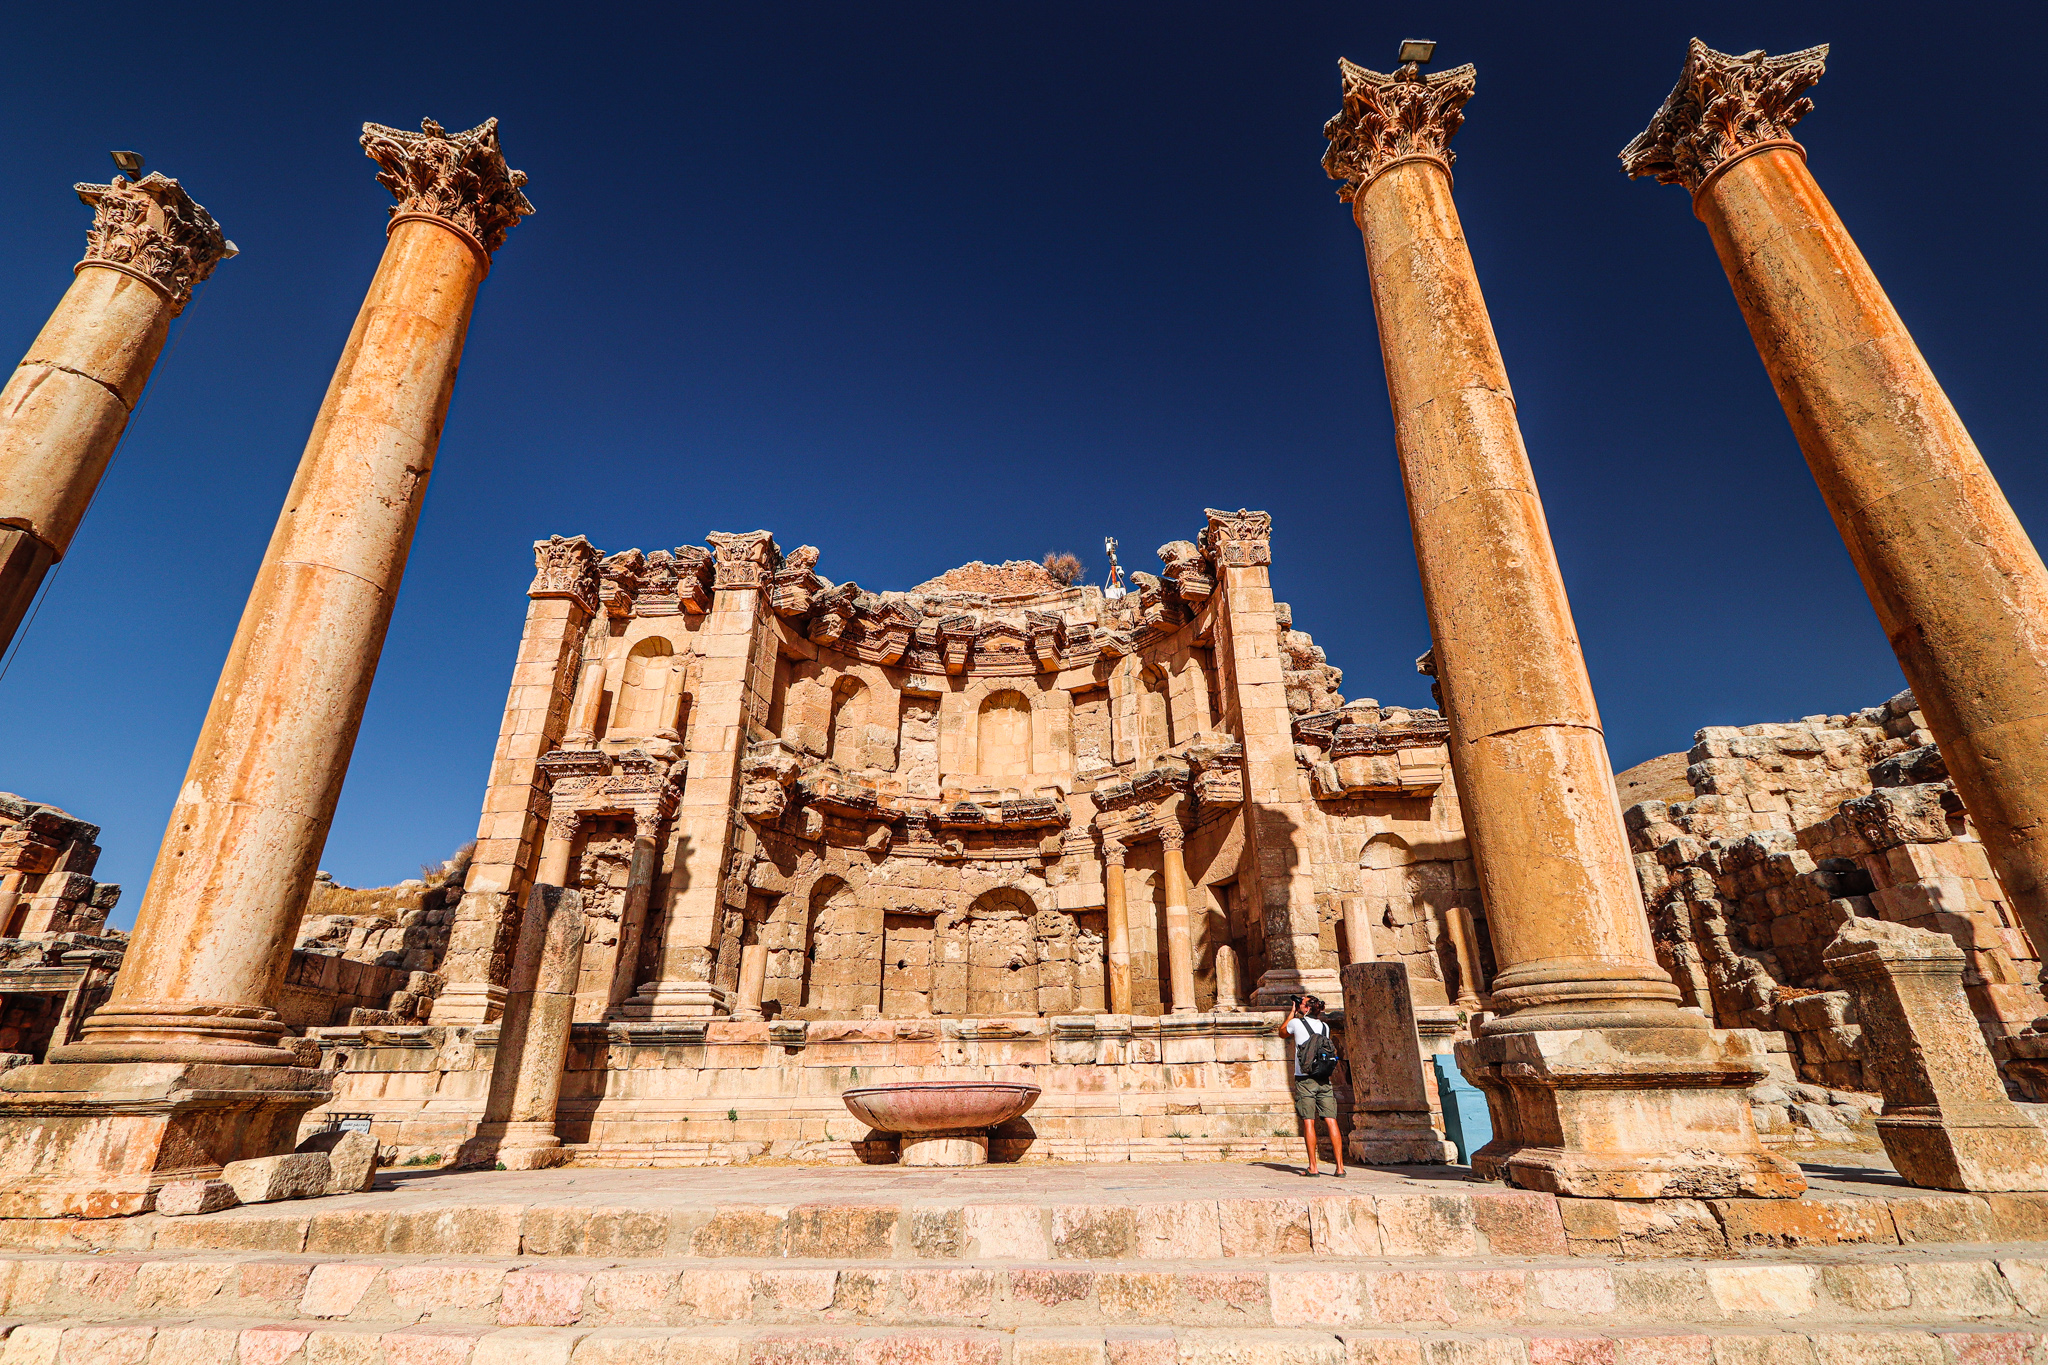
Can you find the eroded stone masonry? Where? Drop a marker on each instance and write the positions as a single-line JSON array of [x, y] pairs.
[[996, 822]]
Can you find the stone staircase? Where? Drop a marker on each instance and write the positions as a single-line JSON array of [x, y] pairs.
[[1380, 1272]]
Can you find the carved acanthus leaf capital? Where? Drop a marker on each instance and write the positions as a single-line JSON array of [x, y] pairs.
[[1393, 118], [743, 560], [1112, 851], [1239, 538], [151, 228], [458, 176], [1171, 837], [565, 566], [1720, 106]]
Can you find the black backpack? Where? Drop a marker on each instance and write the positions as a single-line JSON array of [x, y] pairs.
[[1317, 1057]]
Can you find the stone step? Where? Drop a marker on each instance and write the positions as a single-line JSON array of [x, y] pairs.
[[1811, 1290], [1397, 1219], [229, 1341]]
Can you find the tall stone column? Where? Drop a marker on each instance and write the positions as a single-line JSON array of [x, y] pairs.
[[1599, 1084], [484, 937], [1118, 916], [1276, 796], [1180, 945], [1958, 586], [533, 1046], [65, 407], [215, 930], [633, 917], [735, 681]]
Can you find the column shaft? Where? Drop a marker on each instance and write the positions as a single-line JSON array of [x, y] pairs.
[[753, 976], [633, 917], [1180, 946], [1119, 927], [1358, 927], [1957, 583], [1599, 1085], [64, 408]]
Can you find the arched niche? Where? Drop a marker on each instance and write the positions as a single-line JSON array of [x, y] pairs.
[[643, 685], [846, 739], [1022, 960], [843, 953], [1003, 735]]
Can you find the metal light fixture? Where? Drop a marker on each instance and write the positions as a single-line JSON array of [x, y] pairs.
[[1416, 50], [131, 162]]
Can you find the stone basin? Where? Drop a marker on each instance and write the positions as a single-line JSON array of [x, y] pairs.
[[941, 1123]]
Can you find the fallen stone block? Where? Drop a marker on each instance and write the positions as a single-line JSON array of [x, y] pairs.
[[264, 1179], [181, 1197], [351, 1158]]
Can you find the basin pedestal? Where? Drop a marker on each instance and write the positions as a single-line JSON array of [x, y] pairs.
[[940, 1123]]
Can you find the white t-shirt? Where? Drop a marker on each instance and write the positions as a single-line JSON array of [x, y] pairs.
[[1300, 1031]]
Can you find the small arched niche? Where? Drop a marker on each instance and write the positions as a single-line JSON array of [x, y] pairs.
[[643, 684], [846, 740], [1004, 735]]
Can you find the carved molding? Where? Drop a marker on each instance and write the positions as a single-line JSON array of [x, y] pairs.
[[461, 177], [565, 566], [1722, 105], [152, 228], [1393, 118]]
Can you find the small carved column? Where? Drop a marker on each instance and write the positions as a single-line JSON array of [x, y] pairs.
[[582, 733], [1465, 948], [1119, 926], [215, 930], [1958, 586], [1358, 927], [558, 848], [1226, 980], [63, 411], [753, 977], [1180, 946], [527, 1141], [1580, 991], [668, 724], [633, 917]]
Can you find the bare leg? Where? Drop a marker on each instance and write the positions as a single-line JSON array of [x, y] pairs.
[[1336, 1144], [1308, 1135]]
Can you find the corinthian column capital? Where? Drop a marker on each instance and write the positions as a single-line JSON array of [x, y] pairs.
[[459, 177], [1721, 107], [565, 566], [151, 229], [1403, 117], [1239, 538]]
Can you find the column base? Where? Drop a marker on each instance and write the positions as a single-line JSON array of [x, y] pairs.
[[1624, 1113], [1396, 1139], [514, 1146], [675, 1000], [1990, 1148], [96, 1141], [468, 1004], [1276, 984]]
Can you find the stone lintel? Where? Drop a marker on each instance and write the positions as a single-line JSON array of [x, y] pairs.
[[1721, 106]]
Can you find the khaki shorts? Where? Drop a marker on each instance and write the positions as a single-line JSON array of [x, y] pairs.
[[1314, 1099]]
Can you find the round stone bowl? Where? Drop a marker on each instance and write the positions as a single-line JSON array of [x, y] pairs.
[[941, 1123]]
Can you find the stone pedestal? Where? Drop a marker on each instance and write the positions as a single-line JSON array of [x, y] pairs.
[[962, 1147], [1390, 1119], [64, 409], [1958, 586], [1625, 1113], [1599, 1084], [84, 1141], [1947, 1124]]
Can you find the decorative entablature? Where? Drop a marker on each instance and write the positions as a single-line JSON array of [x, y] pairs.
[[565, 566], [1190, 571], [1309, 677], [776, 788], [587, 782], [629, 583], [794, 587], [1373, 751], [743, 559]]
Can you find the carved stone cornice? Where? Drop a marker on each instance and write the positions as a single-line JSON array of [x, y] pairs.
[[459, 177], [742, 560], [565, 566], [1238, 539], [1722, 106], [1386, 119], [151, 229]]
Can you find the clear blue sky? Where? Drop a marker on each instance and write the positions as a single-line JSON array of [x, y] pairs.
[[920, 284]]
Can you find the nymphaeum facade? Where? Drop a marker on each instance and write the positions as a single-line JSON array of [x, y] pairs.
[[914, 802]]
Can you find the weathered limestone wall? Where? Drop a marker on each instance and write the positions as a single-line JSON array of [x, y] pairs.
[[1794, 828], [46, 862]]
